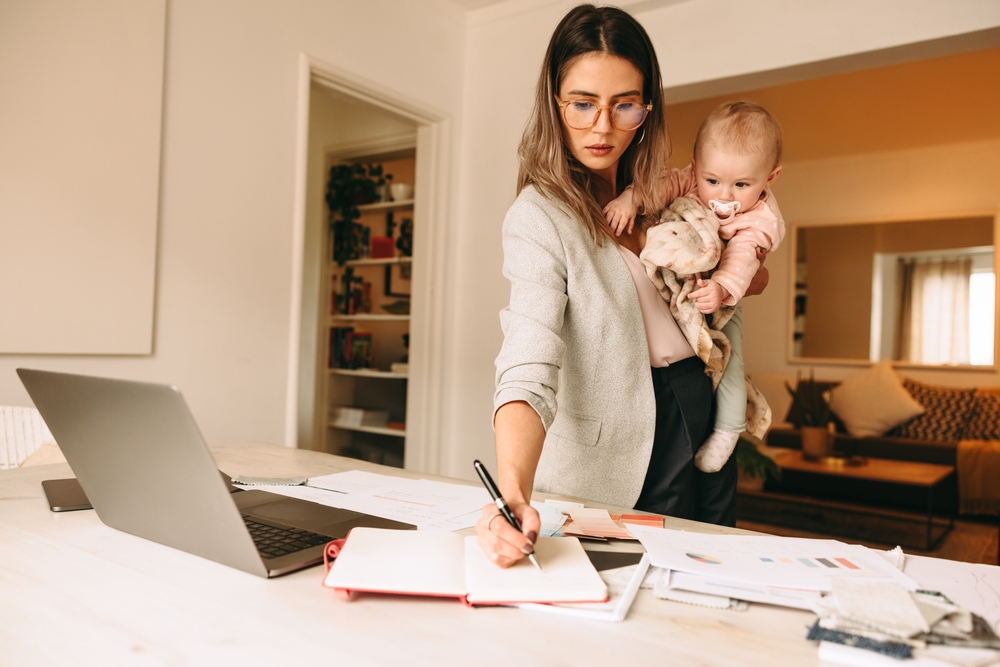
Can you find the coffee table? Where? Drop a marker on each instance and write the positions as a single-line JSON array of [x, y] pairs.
[[928, 476]]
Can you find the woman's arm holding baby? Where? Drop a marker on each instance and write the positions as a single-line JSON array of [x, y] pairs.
[[620, 212]]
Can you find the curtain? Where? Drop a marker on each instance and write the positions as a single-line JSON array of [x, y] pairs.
[[933, 323]]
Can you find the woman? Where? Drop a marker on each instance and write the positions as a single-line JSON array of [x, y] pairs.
[[634, 402]]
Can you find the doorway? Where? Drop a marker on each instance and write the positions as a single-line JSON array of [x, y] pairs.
[[344, 119]]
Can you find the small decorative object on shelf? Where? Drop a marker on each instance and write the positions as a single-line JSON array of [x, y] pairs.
[[398, 307], [401, 191], [381, 247], [354, 295], [349, 186], [404, 244]]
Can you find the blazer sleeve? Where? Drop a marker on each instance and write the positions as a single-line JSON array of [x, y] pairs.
[[532, 352]]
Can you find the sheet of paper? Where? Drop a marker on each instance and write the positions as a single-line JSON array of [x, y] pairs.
[[564, 506], [972, 586], [723, 588], [552, 518], [788, 562], [598, 523], [424, 503], [567, 575], [401, 561]]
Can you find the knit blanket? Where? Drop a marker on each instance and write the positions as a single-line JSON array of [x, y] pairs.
[[683, 246], [978, 466]]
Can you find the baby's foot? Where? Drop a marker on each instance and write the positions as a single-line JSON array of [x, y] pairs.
[[712, 455]]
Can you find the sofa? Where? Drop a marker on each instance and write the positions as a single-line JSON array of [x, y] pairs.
[[897, 418]]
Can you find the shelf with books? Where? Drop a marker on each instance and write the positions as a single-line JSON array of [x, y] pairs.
[[366, 327]]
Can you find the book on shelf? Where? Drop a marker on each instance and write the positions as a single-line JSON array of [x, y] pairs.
[[350, 348], [446, 564], [339, 357], [344, 415]]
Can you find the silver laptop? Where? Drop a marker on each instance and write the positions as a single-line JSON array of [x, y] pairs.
[[140, 458]]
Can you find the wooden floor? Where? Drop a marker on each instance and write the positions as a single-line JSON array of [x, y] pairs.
[[972, 539]]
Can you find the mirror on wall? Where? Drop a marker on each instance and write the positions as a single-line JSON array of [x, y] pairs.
[[917, 292]]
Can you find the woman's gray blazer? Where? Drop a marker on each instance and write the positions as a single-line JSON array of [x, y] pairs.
[[575, 349]]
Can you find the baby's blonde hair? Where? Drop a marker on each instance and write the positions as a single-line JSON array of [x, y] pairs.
[[743, 126]]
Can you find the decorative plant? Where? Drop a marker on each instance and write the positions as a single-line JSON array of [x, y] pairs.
[[752, 463], [405, 241], [348, 186], [810, 401]]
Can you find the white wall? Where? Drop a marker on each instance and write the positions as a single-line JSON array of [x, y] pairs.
[[80, 119], [224, 283], [504, 48], [224, 279]]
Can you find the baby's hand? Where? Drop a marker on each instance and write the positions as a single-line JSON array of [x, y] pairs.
[[708, 297], [620, 213]]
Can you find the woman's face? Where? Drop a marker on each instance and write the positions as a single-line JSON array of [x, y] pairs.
[[603, 80]]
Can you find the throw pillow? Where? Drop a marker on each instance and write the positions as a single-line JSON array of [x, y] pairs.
[[873, 401], [985, 421], [946, 412]]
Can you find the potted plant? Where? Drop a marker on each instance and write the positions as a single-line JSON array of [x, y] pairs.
[[816, 418], [754, 466], [349, 186]]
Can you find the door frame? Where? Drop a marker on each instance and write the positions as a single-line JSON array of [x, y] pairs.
[[426, 354]]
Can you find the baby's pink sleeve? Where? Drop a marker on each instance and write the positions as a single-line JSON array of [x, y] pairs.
[[677, 183], [760, 227]]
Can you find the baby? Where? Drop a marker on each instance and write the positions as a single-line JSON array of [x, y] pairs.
[[737, 155]]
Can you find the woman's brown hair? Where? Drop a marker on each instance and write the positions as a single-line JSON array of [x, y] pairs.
[[547, 163]]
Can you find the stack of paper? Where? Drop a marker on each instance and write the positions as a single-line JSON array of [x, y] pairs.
[[761, 568]]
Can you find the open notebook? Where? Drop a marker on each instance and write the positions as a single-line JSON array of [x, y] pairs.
[[438, 563]]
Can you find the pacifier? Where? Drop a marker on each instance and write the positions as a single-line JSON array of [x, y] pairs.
[[724, 210]]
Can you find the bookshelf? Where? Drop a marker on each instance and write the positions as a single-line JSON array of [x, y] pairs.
[[366, 332]]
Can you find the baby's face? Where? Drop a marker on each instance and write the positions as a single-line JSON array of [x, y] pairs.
[[726, 177]]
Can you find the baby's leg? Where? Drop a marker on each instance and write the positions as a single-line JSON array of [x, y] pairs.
[[730, 403]]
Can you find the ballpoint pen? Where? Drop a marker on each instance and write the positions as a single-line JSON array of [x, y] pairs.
[[501, 503]]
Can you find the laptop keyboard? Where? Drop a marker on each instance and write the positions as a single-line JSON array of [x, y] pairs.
[[272, 541]]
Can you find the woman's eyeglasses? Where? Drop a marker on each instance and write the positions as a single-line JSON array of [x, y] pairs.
[[583, 114]]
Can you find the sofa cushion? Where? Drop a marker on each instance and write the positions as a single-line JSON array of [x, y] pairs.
[[946, 412], [985, 421], [873, 401]]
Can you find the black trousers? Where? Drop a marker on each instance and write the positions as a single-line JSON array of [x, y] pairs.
[[685, 415]]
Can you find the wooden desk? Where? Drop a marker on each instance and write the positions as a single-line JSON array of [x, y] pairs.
[[927, 476], [77, 592]]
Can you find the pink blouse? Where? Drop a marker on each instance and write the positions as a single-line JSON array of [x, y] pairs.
[[667, 344]]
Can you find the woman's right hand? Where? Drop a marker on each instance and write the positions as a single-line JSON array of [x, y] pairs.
[[503, 544]]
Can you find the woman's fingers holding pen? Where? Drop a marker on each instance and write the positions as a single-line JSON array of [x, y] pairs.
[[500, 541]]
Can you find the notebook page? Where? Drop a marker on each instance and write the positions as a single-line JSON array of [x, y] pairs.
[[415, 562], [567, 576]]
